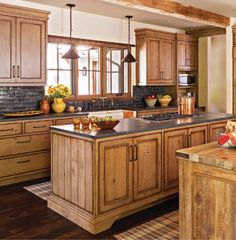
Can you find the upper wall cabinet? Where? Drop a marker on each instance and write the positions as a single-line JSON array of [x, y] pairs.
[[156, 56], [187, 52], [23, 41]]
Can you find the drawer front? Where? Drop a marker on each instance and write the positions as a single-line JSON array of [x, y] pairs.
[[10, 129], [24, 164], [18, 145], [64, 121], [38, 126]]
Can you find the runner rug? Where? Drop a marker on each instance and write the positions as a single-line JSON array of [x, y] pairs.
[[42, 190], [165, 227]]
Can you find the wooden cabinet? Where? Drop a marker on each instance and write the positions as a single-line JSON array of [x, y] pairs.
[[213, 128], [155, 52], [116, 174], [23, 46], [187, 52], [175, 140], [129, 169], [147, 166]]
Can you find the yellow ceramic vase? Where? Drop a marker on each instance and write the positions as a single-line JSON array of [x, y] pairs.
[[58, 105]]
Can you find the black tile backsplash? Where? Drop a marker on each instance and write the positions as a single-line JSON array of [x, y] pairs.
[[14, 99], [27, 98]]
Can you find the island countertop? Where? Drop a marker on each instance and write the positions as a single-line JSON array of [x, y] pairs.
[[136, 125], [210, 154]]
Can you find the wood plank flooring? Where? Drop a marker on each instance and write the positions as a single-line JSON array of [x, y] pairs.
[[26, 216]]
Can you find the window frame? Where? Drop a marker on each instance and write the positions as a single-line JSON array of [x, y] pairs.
[[103, 46]]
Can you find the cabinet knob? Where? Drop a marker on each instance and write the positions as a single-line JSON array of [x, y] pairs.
[[18, 71]]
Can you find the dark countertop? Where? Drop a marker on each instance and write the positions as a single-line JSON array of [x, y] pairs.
[[210, 154], [42, 116], [136, 125]]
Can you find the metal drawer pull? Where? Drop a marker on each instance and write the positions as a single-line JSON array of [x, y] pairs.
[[5, 130], [18, 71], [19, 142], [14, 71], [135, 152], [24, 161], [40, 126], [131, 158]]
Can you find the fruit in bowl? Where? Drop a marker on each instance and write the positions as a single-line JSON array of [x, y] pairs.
[[165, 100], [108, 122], [150, 100]]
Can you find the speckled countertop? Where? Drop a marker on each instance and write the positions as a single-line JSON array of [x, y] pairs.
[[210, 154], [136, 125]]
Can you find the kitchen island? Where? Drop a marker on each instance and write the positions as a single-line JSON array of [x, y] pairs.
[[101, 176], [207, 192]]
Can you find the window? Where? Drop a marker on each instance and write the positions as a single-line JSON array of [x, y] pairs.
[[116, 72], [97, 73], [59, 69]]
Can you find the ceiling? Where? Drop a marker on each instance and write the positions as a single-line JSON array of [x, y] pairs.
[[224, 7]]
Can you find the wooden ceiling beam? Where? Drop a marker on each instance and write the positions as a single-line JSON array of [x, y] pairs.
[[206, 32], [174, 9]]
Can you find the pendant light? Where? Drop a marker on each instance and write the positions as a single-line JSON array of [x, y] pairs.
[[72, 53], [129, 57]]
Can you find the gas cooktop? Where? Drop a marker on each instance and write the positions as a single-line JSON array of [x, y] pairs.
[[169, 116]]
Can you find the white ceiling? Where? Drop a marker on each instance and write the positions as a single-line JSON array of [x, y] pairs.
[[224, 7]]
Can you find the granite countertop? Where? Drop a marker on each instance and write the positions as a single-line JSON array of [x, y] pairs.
[[136, 125], [42, 116], [210, 154]]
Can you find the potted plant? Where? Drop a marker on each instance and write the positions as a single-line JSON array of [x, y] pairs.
[[56, 94]]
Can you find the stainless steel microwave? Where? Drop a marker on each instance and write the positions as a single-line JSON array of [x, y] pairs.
[[186, 79]]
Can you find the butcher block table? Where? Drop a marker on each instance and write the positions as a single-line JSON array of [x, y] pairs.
[[207, 192]]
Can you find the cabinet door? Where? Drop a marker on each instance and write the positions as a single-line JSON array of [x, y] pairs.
[[147, 165], [197, 136], [192, 56], [115, 174], [31, 51], [167, 69], [153, 62], [173, 140], [182, 51], [213, 128], [7, 49]]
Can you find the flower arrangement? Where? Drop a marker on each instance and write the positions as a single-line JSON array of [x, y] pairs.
[[59, 91]]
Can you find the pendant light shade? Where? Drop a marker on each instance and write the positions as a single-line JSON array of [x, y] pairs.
[[129, 58], [72, 53]]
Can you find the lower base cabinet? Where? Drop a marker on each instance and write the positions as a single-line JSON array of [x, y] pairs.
[[129, 169]]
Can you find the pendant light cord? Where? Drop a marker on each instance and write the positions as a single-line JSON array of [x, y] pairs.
[[129, 33], [70, 23]]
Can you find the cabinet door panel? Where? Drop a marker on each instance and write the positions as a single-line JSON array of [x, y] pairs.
[[147, 166], [213, 128], [173, 140], [197, 136], [115, 174], [167, 62], [182, 50], [31, 51], [7, 49], [192, 59], [153, 62]]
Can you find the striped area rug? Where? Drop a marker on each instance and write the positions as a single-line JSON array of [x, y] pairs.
[[165, 227], [42, 190]]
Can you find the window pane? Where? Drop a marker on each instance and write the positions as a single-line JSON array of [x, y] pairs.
[[65, 78], [52, 77], [94, 59], [83, 83], [52, 56], [84, 56], [64, 64], [94, 82], [117, 72]]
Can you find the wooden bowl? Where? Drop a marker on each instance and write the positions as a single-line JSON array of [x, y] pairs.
[[107, 124]]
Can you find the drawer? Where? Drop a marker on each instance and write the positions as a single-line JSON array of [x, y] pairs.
[[64, 121], [38, 126], [24, 164], [10, 129], [24, 144]]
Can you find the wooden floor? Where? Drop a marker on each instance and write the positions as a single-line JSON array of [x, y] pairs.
[[26, 216]]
